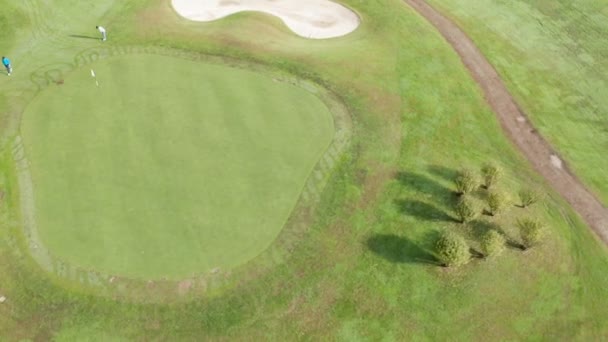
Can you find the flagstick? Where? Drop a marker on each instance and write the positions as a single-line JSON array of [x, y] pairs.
[[95, 77]]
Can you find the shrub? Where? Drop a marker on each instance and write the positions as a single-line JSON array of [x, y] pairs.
[[528, 197], [465, 210], [531, 232], [491, 173], [465, 182], [492, 243], [452, 250], [496, 202]]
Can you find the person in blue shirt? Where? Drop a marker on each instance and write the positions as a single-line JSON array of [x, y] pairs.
[[7, 64]]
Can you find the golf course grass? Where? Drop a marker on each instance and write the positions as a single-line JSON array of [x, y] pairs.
[[171, 167], [552, 55], [356, 265]]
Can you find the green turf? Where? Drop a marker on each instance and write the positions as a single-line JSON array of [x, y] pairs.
[[359, 271], [10, 21], [170, 167], [552, 54]]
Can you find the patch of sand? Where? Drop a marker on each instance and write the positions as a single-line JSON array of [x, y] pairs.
[[556, 161], [315, 19]]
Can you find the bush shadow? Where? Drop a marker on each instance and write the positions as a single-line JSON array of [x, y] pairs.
[[399, 249], [480, 227], [423, 211], [423, 184], [443, 172]]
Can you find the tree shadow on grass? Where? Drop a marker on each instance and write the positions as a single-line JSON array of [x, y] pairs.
[[399, 249], [450, 175], [480, 227], [423, 184], [444, 172], [423, 211]]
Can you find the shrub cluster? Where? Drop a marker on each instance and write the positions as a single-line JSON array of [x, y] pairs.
[[453, 250]]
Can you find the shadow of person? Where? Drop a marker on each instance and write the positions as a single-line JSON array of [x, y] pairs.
[[83, 37], [399, 249]]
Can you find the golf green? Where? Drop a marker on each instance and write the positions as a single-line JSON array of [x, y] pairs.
[[170, 167]]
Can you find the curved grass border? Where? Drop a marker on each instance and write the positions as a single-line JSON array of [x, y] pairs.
[[129, 289]]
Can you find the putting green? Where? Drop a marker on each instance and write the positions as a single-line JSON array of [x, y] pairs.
[[170, 167]]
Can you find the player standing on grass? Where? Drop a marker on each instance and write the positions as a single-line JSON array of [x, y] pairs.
[[7, 64], [102, 30]]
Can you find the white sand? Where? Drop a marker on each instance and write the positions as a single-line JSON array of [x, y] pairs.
[[556, 161], [316, 19]]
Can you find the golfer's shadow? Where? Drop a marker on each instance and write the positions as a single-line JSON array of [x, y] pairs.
[[83, 37]]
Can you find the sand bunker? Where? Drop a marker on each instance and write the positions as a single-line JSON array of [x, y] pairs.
[[316, 19]]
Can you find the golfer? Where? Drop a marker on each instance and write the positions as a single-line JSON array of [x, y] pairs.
[[102, 30], [7, 64]]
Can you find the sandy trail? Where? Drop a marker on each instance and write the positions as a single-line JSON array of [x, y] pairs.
[[538, 151], [315, 19]]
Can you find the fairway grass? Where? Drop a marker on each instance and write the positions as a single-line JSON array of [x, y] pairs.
[[170, 168], [356, 265]]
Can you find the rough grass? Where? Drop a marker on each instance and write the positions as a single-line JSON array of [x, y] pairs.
[[11, 20], [552, 55], [364, 270]]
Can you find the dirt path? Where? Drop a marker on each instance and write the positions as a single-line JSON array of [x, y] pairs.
[[513, 121]]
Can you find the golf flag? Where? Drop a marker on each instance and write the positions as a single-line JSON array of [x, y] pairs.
[[93, 75]]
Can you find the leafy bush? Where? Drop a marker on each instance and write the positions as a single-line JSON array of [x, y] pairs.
[[452, 249], [492, 243], [491, 173], [496, 202], [465, 182], [528, 197], [465, 210], [531, 232]]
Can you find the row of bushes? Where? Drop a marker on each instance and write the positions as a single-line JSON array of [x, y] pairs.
[[453, 250]]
